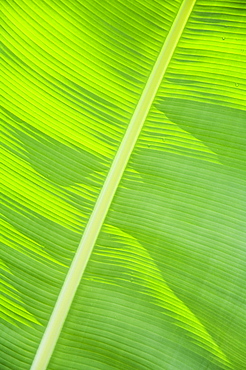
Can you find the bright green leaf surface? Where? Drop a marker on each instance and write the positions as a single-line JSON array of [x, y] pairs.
[[165, 285]]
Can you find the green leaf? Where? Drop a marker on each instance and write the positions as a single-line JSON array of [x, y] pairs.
[[123, 124]]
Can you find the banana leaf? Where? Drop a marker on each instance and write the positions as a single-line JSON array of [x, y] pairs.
[[162, 285]]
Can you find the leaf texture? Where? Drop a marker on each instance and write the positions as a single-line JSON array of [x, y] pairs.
[[164, 288]]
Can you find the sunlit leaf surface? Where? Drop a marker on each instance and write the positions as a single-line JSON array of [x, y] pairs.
[[165, 285]]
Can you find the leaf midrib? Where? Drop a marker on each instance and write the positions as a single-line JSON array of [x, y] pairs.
[[109, 188]]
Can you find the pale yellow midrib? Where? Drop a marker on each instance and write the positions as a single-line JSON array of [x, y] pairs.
[[104, 200]]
